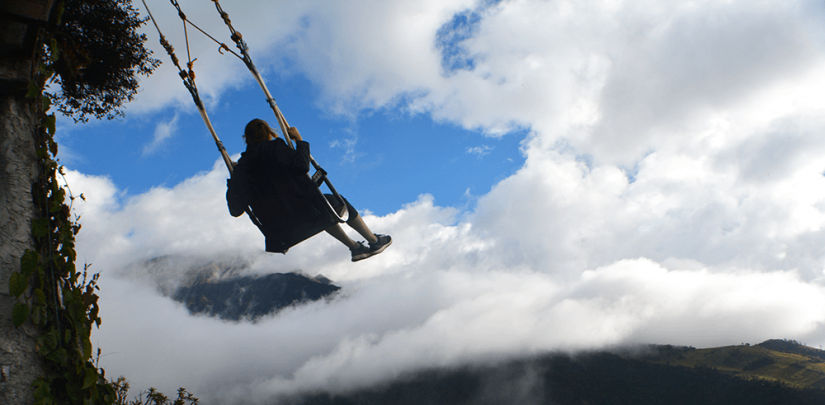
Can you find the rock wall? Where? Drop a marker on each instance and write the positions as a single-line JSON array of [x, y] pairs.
[[19, 362]]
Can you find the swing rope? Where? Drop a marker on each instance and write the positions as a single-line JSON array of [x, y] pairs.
[[320, 174], [189, 82], [222, 46], [241, 44], [188, 79]]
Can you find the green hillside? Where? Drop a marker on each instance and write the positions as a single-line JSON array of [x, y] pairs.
[[591, 378], [783, 361]]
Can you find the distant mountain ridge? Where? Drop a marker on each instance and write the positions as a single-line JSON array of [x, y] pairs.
[[250, 297], [704, 376], [793, 347], [782, 361], [774, 372]]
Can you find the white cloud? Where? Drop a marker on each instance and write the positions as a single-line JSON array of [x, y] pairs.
[[480, 151], [449, 292], [672, 193], [163, 131]]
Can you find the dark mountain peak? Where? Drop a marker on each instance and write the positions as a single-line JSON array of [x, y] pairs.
[[227, 287], [172, 271], [321, 279], [251, 297]]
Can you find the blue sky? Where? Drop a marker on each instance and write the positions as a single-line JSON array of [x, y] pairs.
[[374, 158], [373, 155], [556, 175]]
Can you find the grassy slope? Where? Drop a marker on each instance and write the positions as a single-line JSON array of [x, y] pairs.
[[789, 363], [583, 379]]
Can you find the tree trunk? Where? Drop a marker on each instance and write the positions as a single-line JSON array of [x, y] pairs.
[[20, 21]]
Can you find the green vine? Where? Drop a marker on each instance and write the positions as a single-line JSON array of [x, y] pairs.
[[60, 301]]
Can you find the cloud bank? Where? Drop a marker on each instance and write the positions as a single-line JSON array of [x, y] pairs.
[[673, 192]]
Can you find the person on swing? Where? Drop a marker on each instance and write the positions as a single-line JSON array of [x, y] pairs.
[[271, 178]]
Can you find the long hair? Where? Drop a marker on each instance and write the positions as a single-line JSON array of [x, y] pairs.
[[257, 130]]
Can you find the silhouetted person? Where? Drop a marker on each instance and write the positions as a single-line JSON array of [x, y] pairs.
[[271, 178]]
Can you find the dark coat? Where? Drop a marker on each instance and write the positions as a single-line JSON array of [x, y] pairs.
[[271, 178]]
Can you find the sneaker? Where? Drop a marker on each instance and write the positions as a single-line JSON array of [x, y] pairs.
[[361, 252], [383, 242]]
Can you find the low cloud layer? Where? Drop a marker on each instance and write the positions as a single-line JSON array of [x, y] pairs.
[[673, 192], [593, 266]]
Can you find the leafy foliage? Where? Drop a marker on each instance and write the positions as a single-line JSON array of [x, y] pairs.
[[152, 397], [59, 300], [92, 50], [101, 54]]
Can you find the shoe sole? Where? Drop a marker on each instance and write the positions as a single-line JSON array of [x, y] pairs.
[[361, 257], [381, 249], [372, 253]]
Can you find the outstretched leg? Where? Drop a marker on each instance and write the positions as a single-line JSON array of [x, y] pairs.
[[358, 250], [338, 233], [355, 221], [377, 243], [361, 227]]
